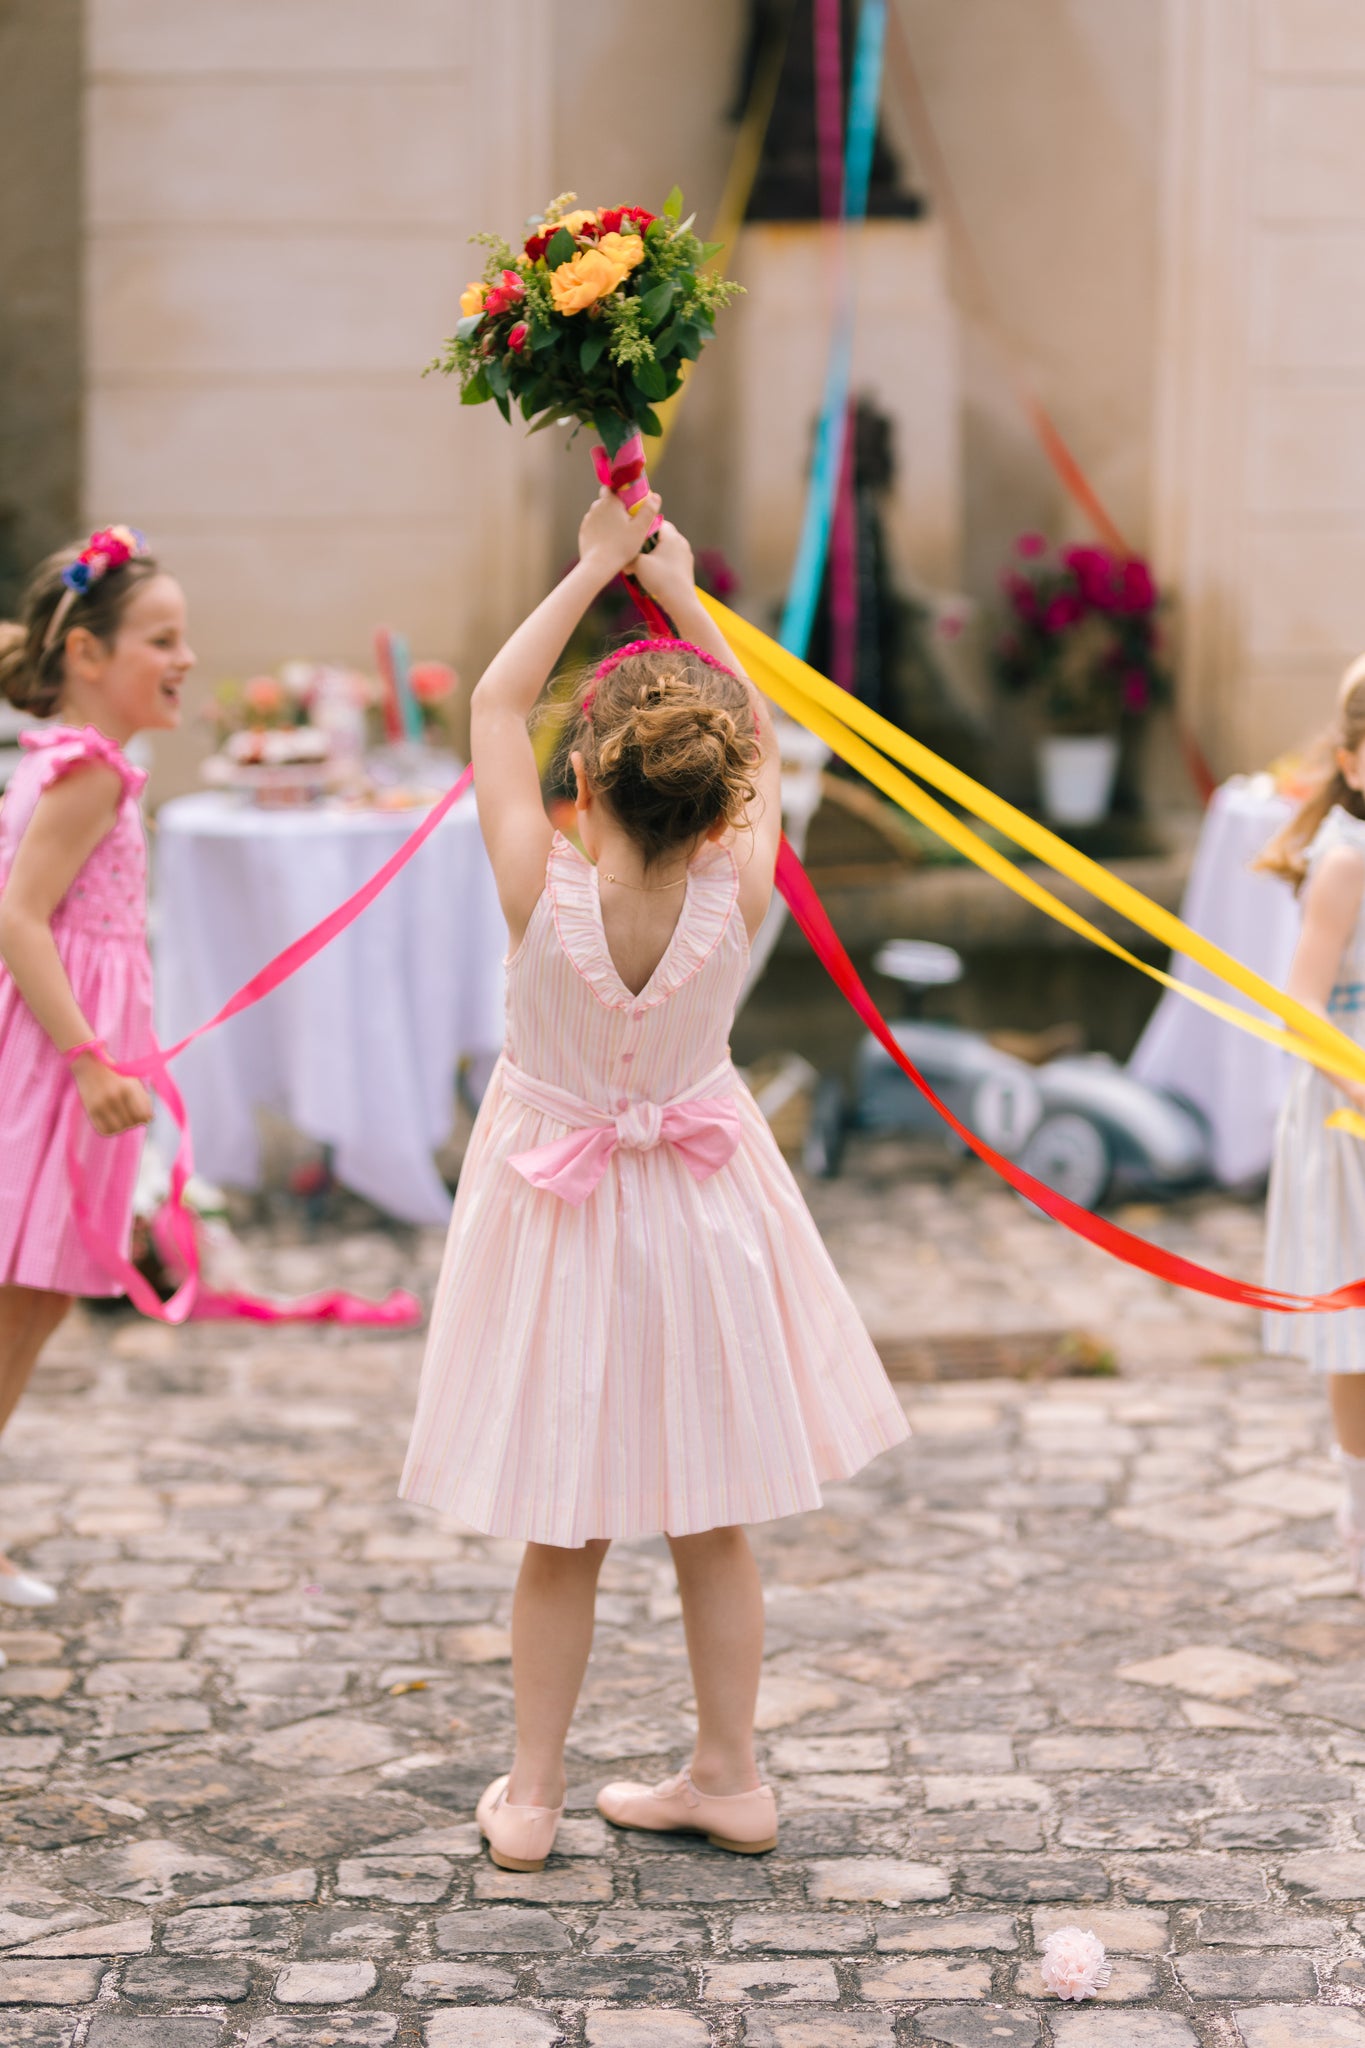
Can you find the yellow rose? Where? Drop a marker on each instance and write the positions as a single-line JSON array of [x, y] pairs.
[[586, 278], [625, 251], [576, 222], [471, 298]]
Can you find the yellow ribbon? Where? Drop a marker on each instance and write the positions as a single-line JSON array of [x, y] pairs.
[[846, 726], [734, 204]]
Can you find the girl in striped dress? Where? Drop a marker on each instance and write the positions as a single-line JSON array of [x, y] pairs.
[[637, 1328], [1315, 1222]]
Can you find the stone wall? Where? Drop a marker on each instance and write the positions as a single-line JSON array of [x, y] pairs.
[[40, 239], [279, 203]]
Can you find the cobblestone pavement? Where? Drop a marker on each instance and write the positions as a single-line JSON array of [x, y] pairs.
[[1080, 1653]]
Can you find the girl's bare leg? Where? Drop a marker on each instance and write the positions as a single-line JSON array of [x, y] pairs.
[[1346, 1392], [552, 1617], [722, 1603], [28, 1317]]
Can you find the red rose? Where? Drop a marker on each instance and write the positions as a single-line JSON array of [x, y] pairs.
[[1136, 591], [1022, 596], [506, 294], [537, 244], [1096, 572], [613, 217], [516, 339], [1063, 611]]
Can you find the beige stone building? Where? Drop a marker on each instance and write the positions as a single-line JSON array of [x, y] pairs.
[[230, 237]]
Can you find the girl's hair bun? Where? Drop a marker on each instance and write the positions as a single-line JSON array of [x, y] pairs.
[[668, 741]]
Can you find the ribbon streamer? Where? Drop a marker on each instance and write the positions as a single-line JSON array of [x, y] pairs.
[[175, 1226], [1048, 434], [845, 724], [809, 913], [734, 200], [798, 614]]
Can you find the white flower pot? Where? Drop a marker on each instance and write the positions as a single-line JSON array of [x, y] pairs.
[[1076, 776]]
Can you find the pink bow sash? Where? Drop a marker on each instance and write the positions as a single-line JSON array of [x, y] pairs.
[[702, 1128]]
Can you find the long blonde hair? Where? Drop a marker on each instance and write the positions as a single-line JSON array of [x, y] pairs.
[[1286, 854]]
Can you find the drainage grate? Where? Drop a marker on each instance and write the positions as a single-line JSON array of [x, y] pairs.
[[997, 1355]]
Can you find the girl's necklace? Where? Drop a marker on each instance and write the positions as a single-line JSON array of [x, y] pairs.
[[643, 888]]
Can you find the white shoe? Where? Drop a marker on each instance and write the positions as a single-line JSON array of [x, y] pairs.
[[21, 1589]]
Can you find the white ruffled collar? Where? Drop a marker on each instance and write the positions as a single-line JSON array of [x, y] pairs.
[[576, 905]]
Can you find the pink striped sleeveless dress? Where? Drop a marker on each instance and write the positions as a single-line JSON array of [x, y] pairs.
[[100, 927], [637, 1328]]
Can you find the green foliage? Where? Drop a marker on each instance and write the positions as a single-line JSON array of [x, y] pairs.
[[609, 363]]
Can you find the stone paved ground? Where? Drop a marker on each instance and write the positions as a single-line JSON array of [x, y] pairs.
[[1080, 1653]]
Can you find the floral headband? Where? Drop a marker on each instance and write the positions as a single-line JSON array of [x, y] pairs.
[[614, 660], [108, 549]]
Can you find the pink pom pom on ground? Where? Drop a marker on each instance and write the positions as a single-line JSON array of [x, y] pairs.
[[1074, 1963]]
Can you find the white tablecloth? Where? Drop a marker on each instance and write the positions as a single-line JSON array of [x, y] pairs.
[[1236, 1081], [359, 1051]]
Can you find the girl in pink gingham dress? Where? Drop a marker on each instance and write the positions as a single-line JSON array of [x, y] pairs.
[[101, 651], [637, 1329]]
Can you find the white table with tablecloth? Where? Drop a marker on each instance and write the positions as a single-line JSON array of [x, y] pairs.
[[360, 1050], [1236, 1081]]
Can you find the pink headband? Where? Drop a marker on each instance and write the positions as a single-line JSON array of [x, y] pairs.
[[614, 660]]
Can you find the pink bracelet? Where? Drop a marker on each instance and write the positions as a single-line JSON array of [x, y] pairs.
[[95, 1045]]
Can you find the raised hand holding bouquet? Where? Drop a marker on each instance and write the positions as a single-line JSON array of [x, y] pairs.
[[593, 321]]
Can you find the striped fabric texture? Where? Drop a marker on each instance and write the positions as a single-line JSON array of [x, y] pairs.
[[672, 1355], [1315, 1207], [100, 930]]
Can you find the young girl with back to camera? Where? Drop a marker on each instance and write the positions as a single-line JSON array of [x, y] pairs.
[[637, 1328], [1315, 1220], [101, 648]]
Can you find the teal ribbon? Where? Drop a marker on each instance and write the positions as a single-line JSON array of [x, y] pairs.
[[803, 591]]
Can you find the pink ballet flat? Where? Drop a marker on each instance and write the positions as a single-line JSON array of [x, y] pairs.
[[745, 1822], [518, 1837]]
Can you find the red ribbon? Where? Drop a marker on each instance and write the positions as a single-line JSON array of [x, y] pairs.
[[810, 914], [176, 1228]]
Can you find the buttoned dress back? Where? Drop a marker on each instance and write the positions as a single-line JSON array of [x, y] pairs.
[[667, 1353], [100, 929]]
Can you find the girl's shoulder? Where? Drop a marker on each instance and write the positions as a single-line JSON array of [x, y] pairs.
[[53, 751], [1338, 828]]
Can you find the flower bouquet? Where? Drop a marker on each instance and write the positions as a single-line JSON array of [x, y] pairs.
[[592, 321], [1082, 639]]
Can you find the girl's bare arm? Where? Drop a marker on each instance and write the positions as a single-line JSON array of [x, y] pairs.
[[68, 823], [667, 575], [511, 813], [1331, 906]]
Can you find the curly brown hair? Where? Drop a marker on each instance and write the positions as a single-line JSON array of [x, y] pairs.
[[32, 674], [668, 743]]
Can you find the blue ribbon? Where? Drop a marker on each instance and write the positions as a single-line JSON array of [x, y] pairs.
[[803, 591]]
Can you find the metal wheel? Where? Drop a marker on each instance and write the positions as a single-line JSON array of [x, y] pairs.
[[822, 1154], [1068, 1154]]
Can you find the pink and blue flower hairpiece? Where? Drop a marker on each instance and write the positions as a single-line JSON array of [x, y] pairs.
[[108, 549], [620, 654]]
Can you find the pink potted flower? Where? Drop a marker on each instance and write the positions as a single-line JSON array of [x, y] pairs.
[[1080, 639]]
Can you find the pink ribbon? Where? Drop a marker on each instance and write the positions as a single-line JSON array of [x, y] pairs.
[[704, 1130], [624, 473], [174, 1228]]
